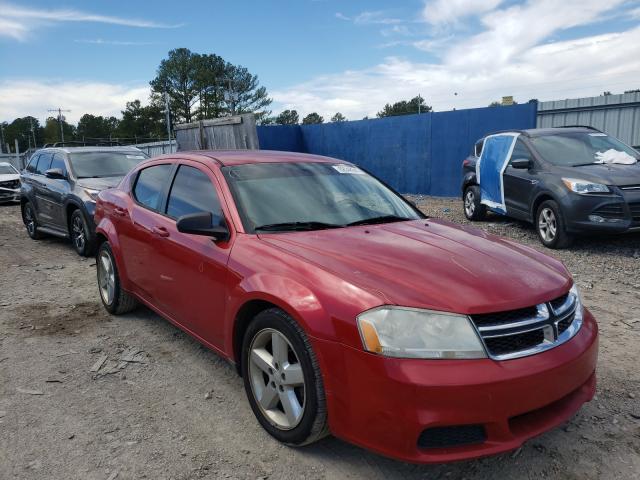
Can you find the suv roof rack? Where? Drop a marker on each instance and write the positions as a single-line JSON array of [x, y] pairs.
[[76, 143], [580, 126]]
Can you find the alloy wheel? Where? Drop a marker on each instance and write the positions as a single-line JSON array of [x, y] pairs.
[[106, 278], [276, 378], [469, 203], [547, 224], [29, 220], [77, 231]]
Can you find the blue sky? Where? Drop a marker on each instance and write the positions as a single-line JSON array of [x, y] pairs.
[[322, 55]]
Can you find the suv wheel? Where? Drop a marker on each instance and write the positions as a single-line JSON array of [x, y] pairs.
[[282, 379], [473, 209], [114, 299], [80, 234], [30, 221], [550, 226]]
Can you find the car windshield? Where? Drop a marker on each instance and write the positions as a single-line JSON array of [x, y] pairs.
[[311, 196], [578, 148], [7, 170], [104, 164]]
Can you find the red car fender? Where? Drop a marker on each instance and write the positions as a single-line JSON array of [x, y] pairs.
[[106, 228]]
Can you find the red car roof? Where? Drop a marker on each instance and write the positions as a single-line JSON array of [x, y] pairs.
[[239, 157]]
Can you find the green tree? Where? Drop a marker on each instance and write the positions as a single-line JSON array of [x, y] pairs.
[[495, 103], [405, 107], [338, 117], [94, 127], [312, 118], [288, 117], [178, 75], [52, 130], [142, 122], [244, 95], [211, 72], [23, 129]]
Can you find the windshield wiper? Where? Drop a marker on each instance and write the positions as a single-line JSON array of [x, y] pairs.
[[296, 226], [380, 219], [585, 164]]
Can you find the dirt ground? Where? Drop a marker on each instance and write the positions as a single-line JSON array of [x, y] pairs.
[[84, 395]]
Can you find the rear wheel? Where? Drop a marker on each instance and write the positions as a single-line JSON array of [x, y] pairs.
[[473, 209], [282, 379], [551, 227], [81, 236], [30, 221], [113, 297]]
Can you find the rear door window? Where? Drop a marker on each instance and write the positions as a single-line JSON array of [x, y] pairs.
[[193, 192], [44, 163], [150, 185]]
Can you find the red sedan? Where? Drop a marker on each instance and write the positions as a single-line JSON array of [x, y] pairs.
[[344, 308]]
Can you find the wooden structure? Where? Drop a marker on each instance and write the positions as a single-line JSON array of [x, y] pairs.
[[226, 133]]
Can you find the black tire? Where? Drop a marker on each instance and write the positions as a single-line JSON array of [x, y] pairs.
[[471, 205], [551, 227], [81, 236], [30, 221], [313, 423], [121, 301]]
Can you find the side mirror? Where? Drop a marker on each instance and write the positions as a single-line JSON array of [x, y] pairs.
[[522, 163], [201, 223], [55, 173]]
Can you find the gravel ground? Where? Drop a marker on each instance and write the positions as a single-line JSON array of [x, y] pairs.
[[158, 405]]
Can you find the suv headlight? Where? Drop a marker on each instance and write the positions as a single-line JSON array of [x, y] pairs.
[[93, 193], [583, 186], [414, 333]]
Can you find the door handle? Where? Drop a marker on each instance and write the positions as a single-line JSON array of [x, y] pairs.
[[160, 231], [120, 211]]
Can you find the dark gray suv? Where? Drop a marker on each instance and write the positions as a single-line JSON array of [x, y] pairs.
[[60, 185], [553, 180]]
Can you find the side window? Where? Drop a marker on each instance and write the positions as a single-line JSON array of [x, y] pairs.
[[150, 183], [520, 151], [43, 163], [192, 192], [58, 162], [31, 168]]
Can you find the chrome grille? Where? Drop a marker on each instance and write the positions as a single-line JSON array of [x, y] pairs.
[[525, 331]]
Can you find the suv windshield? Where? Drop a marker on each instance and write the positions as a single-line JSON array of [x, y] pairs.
[[104, 164], [7, 170], [578, 148], [311, 196]]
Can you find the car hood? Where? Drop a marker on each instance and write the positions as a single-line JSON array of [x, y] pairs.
[[432, 264], [9, 176], [101, 183], [608, 174]]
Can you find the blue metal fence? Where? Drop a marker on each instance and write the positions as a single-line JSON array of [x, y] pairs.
[[412, 153]]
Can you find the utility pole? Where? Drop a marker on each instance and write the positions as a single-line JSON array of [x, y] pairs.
[[60, 120], [33, 133], [419, 102]]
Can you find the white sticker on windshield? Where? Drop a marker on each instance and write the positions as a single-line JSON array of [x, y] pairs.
[[348, 169], [136, 157], [598, 134]]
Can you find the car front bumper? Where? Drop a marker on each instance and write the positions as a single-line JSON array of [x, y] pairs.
[[618, 213], [9, 194], [391, 405]]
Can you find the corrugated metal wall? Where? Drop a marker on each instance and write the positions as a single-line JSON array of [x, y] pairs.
[[153, 149], [412, 153], [617, 115]]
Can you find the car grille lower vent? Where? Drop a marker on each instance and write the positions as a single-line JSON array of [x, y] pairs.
[[613, 210], [525, 331], [634, 207], [454, 436], [13, 184]]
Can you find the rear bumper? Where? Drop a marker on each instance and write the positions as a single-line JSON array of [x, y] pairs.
[[385, 404]]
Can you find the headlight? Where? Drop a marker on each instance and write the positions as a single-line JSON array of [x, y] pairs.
[[414, 333], [92, 193], [576, 293], [583, 186]]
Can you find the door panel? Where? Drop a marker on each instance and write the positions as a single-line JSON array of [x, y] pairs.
[[519, 184], [41, 189], [55, 190]]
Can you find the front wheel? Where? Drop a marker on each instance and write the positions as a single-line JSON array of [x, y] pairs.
[[551, 227], [113, 297], [473, 209], [30, 221], [81, 236], [282, 379]]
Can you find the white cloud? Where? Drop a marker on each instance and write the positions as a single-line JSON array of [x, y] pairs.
[[126, 43], [342, 16], [546, 71], [17, 22], [450, 12], [377, 17], [19, 98]]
